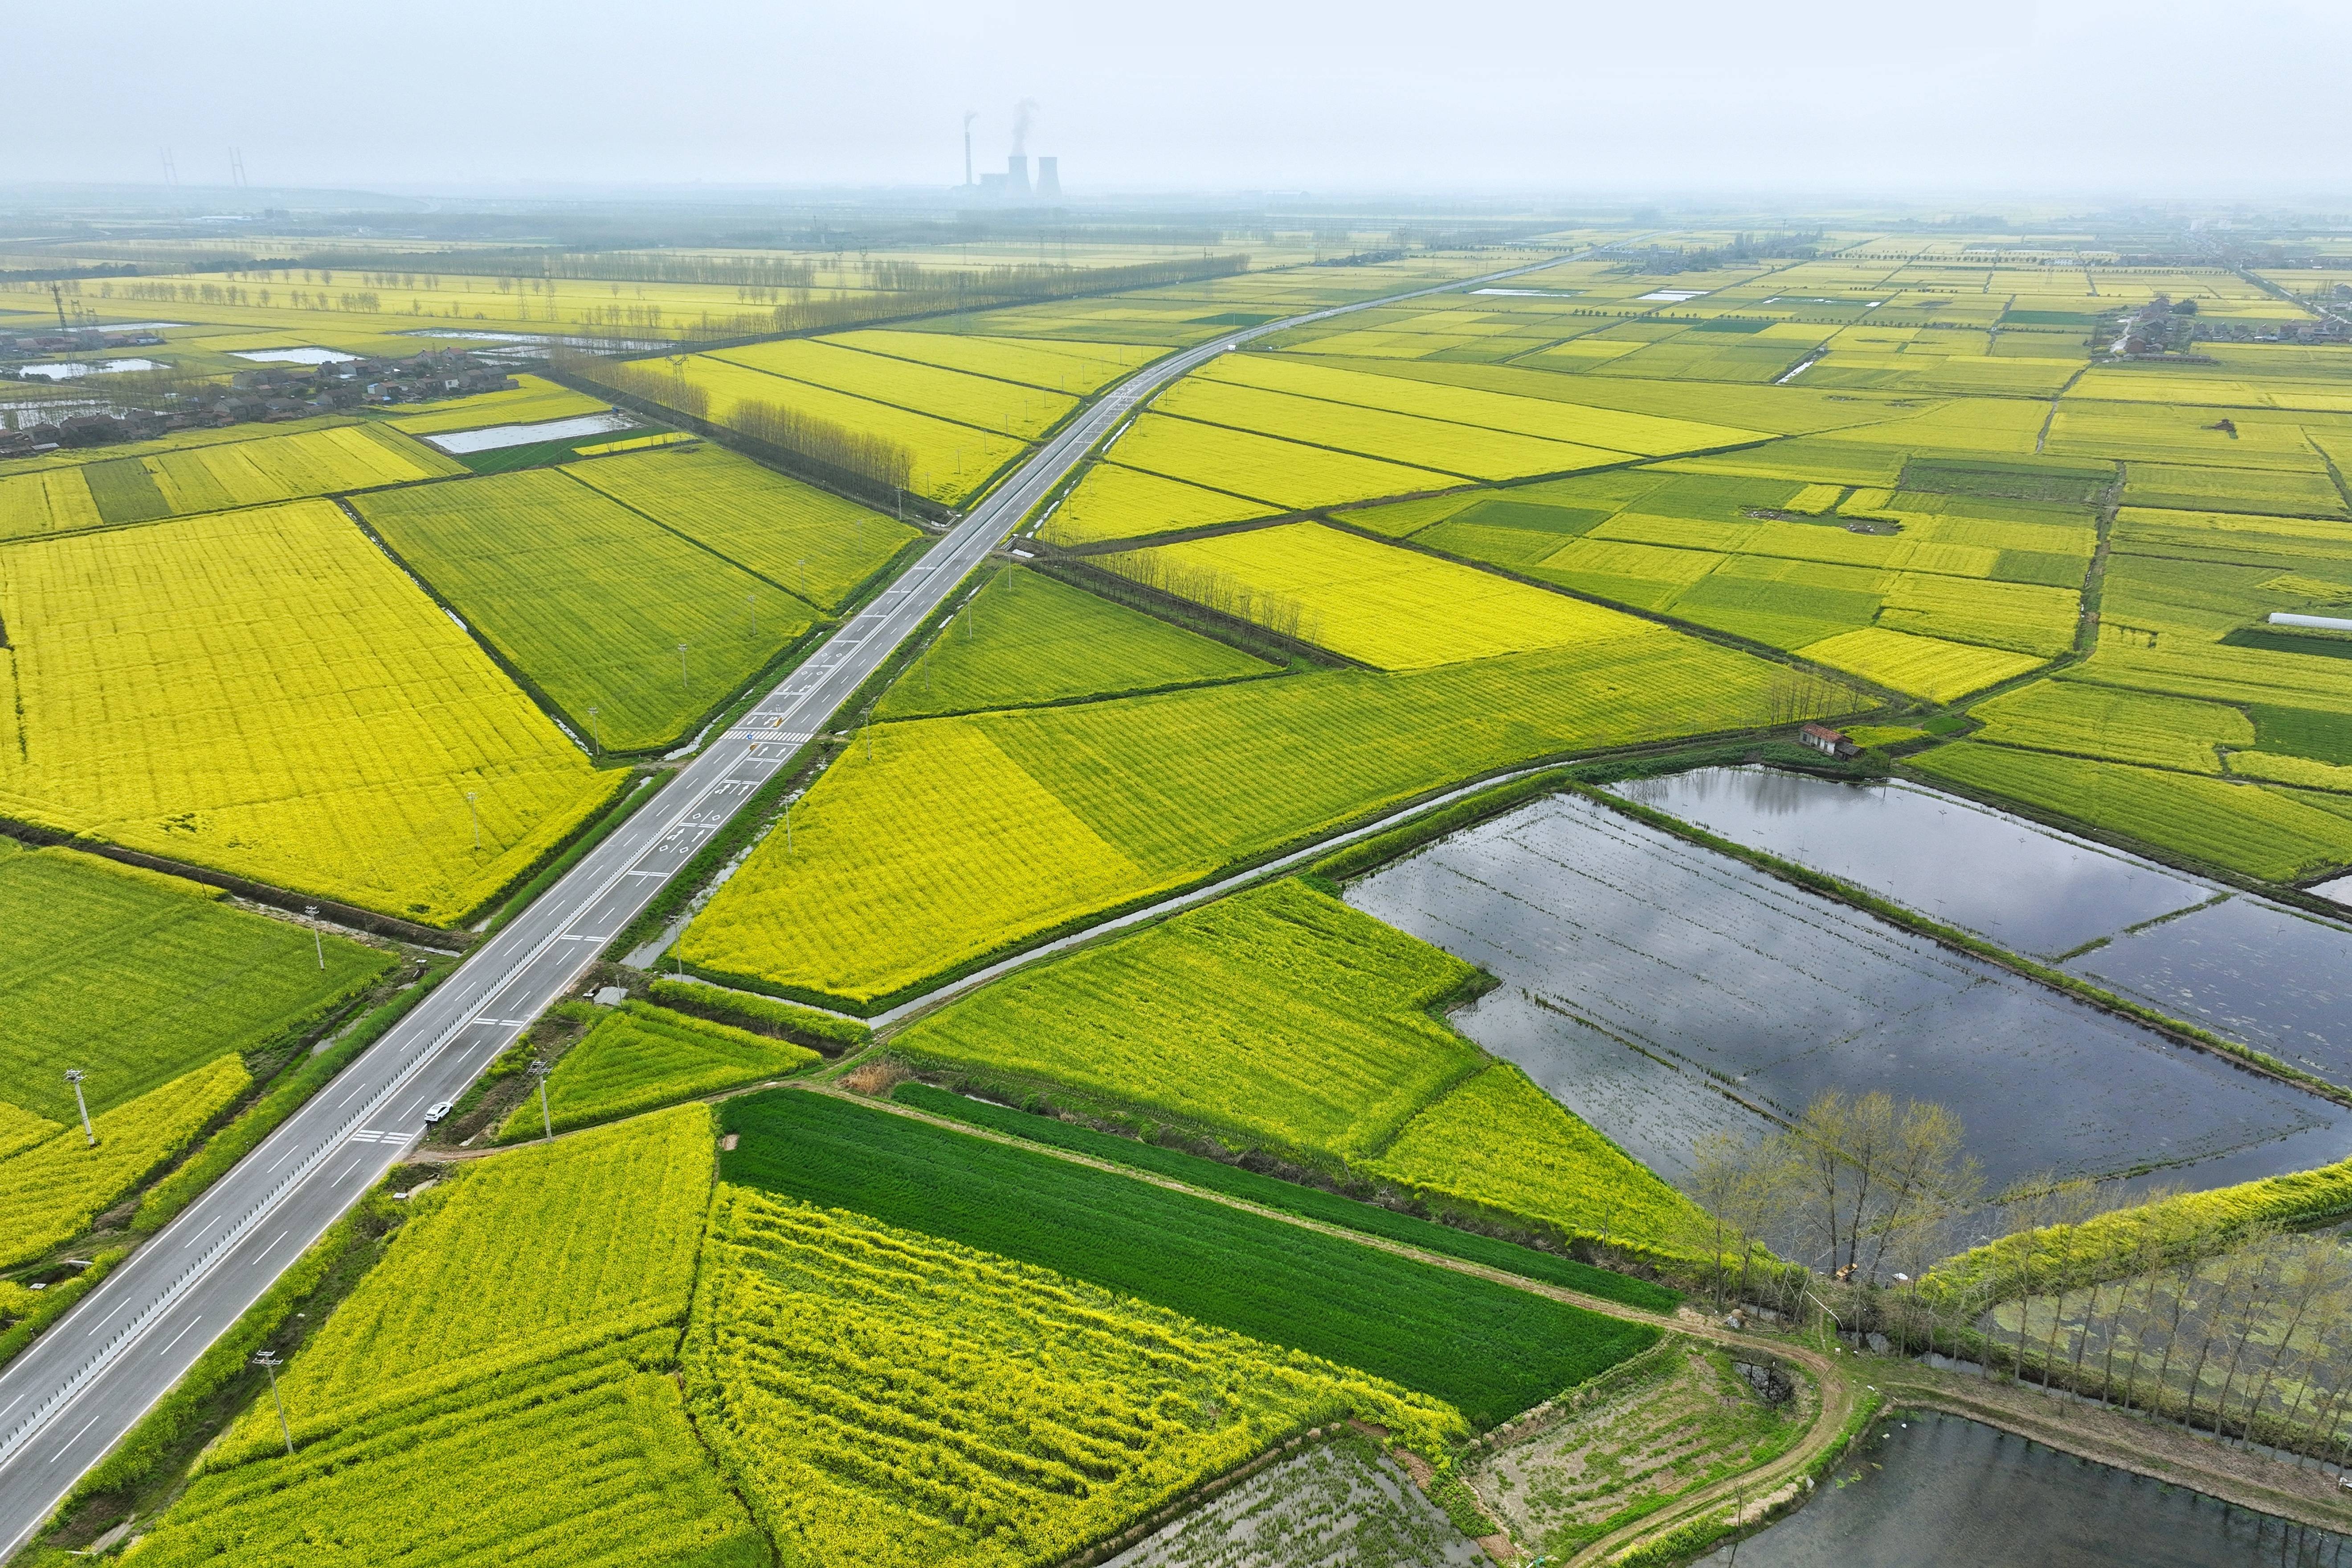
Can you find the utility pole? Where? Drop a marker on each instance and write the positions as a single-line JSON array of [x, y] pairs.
[[596, 734], [476, 817], [73, 1076], [269, 1362], [316, 941], [682, 685], [540, 1070]]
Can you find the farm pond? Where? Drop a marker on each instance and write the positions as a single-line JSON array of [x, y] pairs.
[[1923, 1489], [497, 438], [1663, 992]]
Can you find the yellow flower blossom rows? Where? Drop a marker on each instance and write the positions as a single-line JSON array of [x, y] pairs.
[[535, 1255], [265, 692], [888, 1400], [49, 1193]]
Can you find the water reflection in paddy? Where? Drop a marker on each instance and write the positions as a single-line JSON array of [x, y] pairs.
[[1930, 1491], [1662, 991], [2277, 980], [2254, 972], [2020, 886]]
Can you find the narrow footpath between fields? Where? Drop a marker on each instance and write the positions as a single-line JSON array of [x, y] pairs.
[[2248, 1477]]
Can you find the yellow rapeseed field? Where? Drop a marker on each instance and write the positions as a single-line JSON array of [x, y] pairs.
[[1392, 608], [1115, 503], [264, 693], [1021, 844], [1448, 446], [1284, 472], [952, 460], [51, 502], [963, 834], [532, 399], [1649, 435], [1924, 666], [1057, 364], [49, 1193], [280, 469]]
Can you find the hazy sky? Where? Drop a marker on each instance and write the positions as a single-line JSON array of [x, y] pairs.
[[2190, 97]]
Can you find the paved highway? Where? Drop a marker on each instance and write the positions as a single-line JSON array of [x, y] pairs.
[[82, 1385]]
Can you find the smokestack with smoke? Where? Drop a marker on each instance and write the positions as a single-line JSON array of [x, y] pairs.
[[1022, 113]]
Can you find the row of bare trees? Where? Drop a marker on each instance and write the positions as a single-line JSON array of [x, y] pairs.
[[2131, 1298], [1858, 1188], [1801, 693], [1219, 591], [2251, 1337], [879, 461]]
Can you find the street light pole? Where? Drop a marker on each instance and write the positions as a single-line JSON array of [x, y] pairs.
[[540, 1070], [316, 941], [595, 732], [269, 1362], [73, 1076], [681, 668]]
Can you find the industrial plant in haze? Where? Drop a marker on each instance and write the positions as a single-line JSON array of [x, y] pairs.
[[1014, 184]]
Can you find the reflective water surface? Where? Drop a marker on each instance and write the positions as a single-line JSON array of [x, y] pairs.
[[2276, 979], [1663, 992], [2031, 890], [1930, 1491]]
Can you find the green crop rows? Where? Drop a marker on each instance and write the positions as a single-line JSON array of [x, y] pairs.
[[1293, 1198], [1027, 639], [1485, 1349], [589, 600]]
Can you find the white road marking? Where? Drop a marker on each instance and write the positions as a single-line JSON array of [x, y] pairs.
[[176, 1338], [86, 1426], [828, 677]]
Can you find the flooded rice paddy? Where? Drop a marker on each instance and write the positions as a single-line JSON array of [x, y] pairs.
[[1929, 1490], [2275, 979], [2010, 882], [2249, 970], [1664, 992]]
